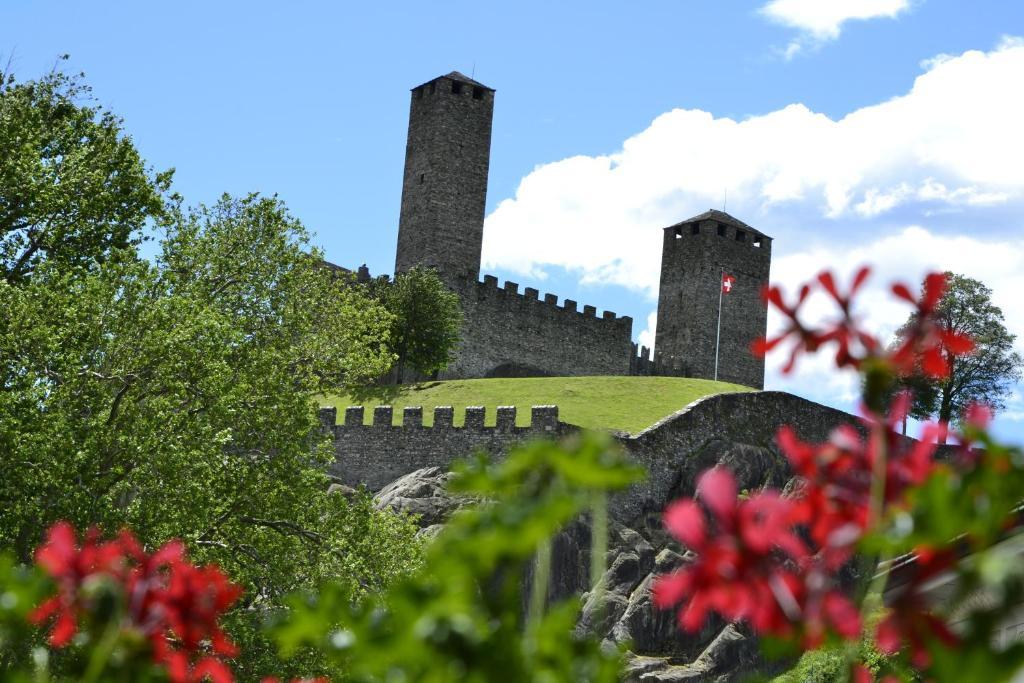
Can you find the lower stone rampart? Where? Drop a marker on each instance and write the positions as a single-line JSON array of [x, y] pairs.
[[376, 454], [673, 451], [679, 447]]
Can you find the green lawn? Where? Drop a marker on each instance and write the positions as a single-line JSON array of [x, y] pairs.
[[621, 403]]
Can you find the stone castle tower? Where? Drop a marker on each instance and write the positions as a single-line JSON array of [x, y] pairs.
[[444, 190], [694, 255], [508, 333]]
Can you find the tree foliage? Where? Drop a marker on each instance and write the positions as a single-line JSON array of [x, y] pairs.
[[984, 376], [72, 185], [427, 320], [178, 398]]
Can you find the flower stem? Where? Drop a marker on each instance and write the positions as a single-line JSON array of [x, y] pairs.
[[541, 578], [598, 547], [100, 655]]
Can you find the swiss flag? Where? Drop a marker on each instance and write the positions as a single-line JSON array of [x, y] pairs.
[[728, 282]]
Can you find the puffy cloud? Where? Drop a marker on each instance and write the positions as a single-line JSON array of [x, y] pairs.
[[950, 144], [823, 19], [871, 187], [646, 336]]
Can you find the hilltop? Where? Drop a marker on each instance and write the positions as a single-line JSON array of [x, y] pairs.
[[628, 404]]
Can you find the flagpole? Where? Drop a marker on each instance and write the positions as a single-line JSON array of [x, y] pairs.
[[718, 333]]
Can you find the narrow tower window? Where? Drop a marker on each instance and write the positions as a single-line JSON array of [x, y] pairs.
[[433, 87], [423, 176], [695, 229], [721, 230], [741, 236], [456, 87], [478, 92]]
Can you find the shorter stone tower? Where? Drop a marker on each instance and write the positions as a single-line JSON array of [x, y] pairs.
[[444, 190], [695, 253]]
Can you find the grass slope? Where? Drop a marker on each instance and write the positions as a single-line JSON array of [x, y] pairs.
[[629, 404]]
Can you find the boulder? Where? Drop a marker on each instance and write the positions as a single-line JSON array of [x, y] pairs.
[[421, 493]]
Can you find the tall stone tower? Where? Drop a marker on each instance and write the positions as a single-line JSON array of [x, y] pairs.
[[445, 186], [695, 253]]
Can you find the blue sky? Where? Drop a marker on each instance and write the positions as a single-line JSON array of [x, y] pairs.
[[851, 130]]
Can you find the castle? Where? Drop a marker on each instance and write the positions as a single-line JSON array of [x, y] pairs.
[[508, 333]]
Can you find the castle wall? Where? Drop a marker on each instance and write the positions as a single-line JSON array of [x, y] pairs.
[[444, 189], [376, 454], [694, 254], [674, 451], [506, 333]]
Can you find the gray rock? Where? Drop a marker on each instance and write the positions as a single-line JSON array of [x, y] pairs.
[[422, 493], [346, 492], [732, 655], [735, 431], [430, 533]]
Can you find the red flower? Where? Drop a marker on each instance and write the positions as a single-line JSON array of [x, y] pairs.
[[928, 343], [853, 344], [737, 573], [193, 600], [861, 674], [71, 566], [173, 603], [835, 499]]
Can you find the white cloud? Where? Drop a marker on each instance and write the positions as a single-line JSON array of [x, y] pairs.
[[871, 187], [952, 143], [646, 336], [1014, 408], [823, 19]]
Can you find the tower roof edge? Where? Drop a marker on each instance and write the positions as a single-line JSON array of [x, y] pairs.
[[721, 217], [456, 76]]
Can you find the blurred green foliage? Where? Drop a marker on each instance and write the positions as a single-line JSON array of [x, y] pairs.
[[464, 615]]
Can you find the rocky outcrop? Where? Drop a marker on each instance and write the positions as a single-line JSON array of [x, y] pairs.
[[639, 551], [736, 431], [424, 495]]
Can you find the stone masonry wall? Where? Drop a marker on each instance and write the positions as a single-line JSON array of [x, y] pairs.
[[444, 189], [673, 451], [694, 254], [376, 454], [506, 333]]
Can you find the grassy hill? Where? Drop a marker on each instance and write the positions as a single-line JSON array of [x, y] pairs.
[[621, 403]]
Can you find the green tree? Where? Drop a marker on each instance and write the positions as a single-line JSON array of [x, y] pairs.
[[985, 376], [178, 397], [427, 320], [72, 185]]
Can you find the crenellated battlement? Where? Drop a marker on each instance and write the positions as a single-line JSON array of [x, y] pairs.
[[543, 418], [381, 451], [676, 448], [489, 289], [643, 364], [508, 332], [722, 228]]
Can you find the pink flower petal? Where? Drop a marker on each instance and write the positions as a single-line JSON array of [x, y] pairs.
[[685, 520], [717, 488]]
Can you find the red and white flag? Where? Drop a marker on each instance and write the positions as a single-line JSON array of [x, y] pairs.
[[728, 282]]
